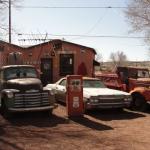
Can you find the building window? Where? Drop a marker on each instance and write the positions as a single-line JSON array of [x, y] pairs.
[[66, 64]]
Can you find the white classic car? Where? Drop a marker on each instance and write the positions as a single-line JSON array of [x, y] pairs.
[[95, 94]]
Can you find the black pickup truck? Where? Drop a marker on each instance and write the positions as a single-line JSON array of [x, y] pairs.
[[21, 90]]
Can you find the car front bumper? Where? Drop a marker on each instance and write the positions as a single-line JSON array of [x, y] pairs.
[[107, 105]]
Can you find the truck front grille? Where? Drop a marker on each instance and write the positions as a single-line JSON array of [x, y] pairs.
[[31, 99]]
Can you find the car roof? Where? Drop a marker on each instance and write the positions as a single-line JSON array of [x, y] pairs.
[[84, 78]]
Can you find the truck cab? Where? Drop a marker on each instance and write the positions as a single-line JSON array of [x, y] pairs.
[[21, 90], [137, 81]]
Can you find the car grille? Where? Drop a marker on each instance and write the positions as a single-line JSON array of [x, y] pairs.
[[31, 99], [109, 99]]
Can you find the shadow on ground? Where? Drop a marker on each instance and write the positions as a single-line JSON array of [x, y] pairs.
[[114, 114], [37, 119], [90, 123]]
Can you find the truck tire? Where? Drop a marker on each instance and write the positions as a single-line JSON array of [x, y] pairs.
[[6, 114], [139, 103]]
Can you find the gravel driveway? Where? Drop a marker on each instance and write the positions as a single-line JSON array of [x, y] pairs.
[[96, 130]]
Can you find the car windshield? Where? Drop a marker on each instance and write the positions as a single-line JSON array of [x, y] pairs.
[[93, 84], [20, 72]]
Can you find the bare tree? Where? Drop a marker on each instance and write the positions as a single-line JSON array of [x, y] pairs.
[[4, 5], [99, 58], [118, 58], [138, 15]]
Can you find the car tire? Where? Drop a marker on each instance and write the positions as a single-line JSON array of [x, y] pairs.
[[139, 103], [47, 113], [120, 109]]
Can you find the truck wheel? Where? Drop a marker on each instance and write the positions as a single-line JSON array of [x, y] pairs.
[[5, 111], [139, 103]]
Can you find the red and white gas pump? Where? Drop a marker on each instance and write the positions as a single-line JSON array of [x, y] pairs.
[[74, 96]]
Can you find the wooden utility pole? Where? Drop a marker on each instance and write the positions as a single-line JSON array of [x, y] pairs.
[[10, 21]]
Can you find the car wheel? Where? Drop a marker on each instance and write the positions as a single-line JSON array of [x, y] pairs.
[[139, 103], [47, 113], [120, 109]]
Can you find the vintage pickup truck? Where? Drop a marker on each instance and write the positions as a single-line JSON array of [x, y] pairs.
[[135, 80], [21, 90]]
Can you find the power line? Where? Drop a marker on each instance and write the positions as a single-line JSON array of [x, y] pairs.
[[94, 26], [77, 7], [89, 36]]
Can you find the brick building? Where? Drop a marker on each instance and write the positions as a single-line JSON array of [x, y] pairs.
[[54, 59]]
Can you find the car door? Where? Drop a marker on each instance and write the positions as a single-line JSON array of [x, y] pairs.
[[61, 91]]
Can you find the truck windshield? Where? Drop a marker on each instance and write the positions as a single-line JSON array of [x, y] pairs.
[[143, 74], [18, 72], [139, 74], [93, 84]]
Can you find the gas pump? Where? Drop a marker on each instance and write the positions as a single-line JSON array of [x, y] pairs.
[[74, 95]]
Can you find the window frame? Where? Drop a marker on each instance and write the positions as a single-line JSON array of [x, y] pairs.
[[63, 67]]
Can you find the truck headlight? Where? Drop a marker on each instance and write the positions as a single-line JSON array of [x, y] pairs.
[[10, 94]]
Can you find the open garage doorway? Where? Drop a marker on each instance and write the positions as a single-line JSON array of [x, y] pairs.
[[47, 70]]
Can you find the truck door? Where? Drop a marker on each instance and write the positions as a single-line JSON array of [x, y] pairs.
[[0, 85], [46, 69]]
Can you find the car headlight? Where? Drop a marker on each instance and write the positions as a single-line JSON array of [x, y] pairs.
[[93, 100], [52, 92], [128, 98], [10, 94]]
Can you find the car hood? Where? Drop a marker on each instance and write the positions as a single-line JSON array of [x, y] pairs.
[[87, 92]]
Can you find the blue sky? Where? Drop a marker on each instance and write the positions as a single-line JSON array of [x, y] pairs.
[[105, 22]]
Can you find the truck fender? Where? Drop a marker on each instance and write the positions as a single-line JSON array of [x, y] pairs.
[[139, 90], [5, 92]]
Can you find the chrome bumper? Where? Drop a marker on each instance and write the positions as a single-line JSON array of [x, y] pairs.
[[32, 109], [107, 105]]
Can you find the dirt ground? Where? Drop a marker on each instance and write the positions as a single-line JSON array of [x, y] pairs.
[[96, 130]]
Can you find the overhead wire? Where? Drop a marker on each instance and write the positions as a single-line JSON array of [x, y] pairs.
[[94, 26], [91, 36], [76, 7], [91, 29]]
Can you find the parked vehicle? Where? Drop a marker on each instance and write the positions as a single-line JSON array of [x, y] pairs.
[[134, 80], [21, 90], [95, 94], [111, 80]]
